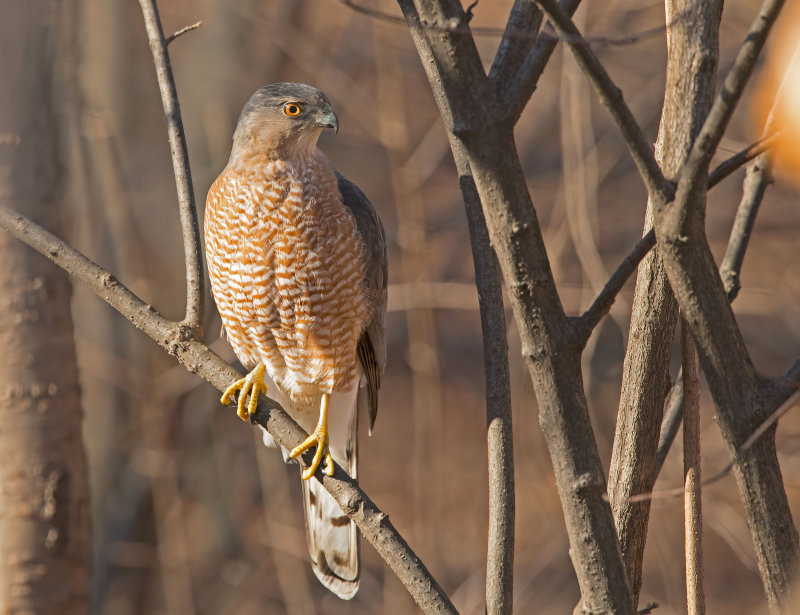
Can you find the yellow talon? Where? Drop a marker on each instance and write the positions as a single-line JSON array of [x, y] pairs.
[[251, 385], [319, 439]]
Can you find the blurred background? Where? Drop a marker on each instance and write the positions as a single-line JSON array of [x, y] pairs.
[[191, 514]]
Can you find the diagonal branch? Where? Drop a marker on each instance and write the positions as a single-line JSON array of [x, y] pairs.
[[198, 359], [525, 17], [740, 158], [517, 94], [195, 294], [611, 98], [693, 172], [602, 304]]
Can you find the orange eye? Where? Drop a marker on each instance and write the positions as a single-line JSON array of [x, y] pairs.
[[292, 109]]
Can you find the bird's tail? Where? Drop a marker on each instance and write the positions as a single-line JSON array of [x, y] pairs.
[[333, 542]]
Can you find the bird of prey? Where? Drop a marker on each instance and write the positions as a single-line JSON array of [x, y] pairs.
[[297, 260]]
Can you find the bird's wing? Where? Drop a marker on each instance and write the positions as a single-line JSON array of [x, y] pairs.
[[372, 344]]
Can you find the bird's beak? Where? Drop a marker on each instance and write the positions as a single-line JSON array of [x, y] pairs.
[[328, 119]]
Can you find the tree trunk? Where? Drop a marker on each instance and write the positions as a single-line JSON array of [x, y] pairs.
[[44, 500]]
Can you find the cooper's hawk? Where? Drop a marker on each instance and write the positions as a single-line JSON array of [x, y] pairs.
[[297, 260]]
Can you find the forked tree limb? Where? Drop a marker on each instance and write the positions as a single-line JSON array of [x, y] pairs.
[[199, 359], [516, 95], [743, 398], [467, 103], [705, 146], [525, 16]]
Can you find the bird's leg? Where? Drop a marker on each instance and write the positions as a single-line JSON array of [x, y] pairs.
[[319, 439], [252, 384]]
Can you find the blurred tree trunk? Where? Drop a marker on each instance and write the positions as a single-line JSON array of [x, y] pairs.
[[44, 501]]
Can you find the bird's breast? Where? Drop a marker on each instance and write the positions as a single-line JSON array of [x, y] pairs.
[[286, 263]]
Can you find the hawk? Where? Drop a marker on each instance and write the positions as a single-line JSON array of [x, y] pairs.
[[297, 260]]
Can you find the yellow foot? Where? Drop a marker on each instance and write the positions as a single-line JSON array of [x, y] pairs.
[[251, 385], [319, 439]]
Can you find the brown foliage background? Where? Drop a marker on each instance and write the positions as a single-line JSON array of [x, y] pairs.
[[191, 513]]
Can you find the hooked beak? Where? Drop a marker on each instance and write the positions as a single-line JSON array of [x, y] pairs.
[[328, 119]]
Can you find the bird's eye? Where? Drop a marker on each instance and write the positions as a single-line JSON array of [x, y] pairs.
[[292, 109]]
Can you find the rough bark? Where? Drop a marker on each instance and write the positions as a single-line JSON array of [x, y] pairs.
[[692, 51], [552, 353], [44, 500], [743, 398], [499, 433]]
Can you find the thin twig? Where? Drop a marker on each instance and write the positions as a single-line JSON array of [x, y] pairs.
[[602, 304], [756, 180], [693, 509], [759, 431], [673, 416], [648, 608], [195, 293], [741, 158], [197, 358], [611, 97], [182, 31]]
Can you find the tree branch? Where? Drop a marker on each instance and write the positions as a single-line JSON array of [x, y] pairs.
[[695, 169], [611, 98], [182, 31], [517, 94], [198, 359], [602, 304], [741, 396], [692, 478], [499, 433], [525, 17], [465, 102], [195, 293], [692, 50], [729, 166]]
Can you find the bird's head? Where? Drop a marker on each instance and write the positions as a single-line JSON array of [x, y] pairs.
[[283, 120]]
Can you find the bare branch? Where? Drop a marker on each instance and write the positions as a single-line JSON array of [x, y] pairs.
[[195, 294], [517, 94], [693, 510], [755, 185], [768, 423], [611, 97], [721, 111], [525, 17], [673, 416], [463, 95], [739, 159], [602, 304], [182, 31], [758, 176], [692, 50], [499, 434], [198, 359]]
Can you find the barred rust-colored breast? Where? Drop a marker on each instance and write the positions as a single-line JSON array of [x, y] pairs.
[[285, 260]]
